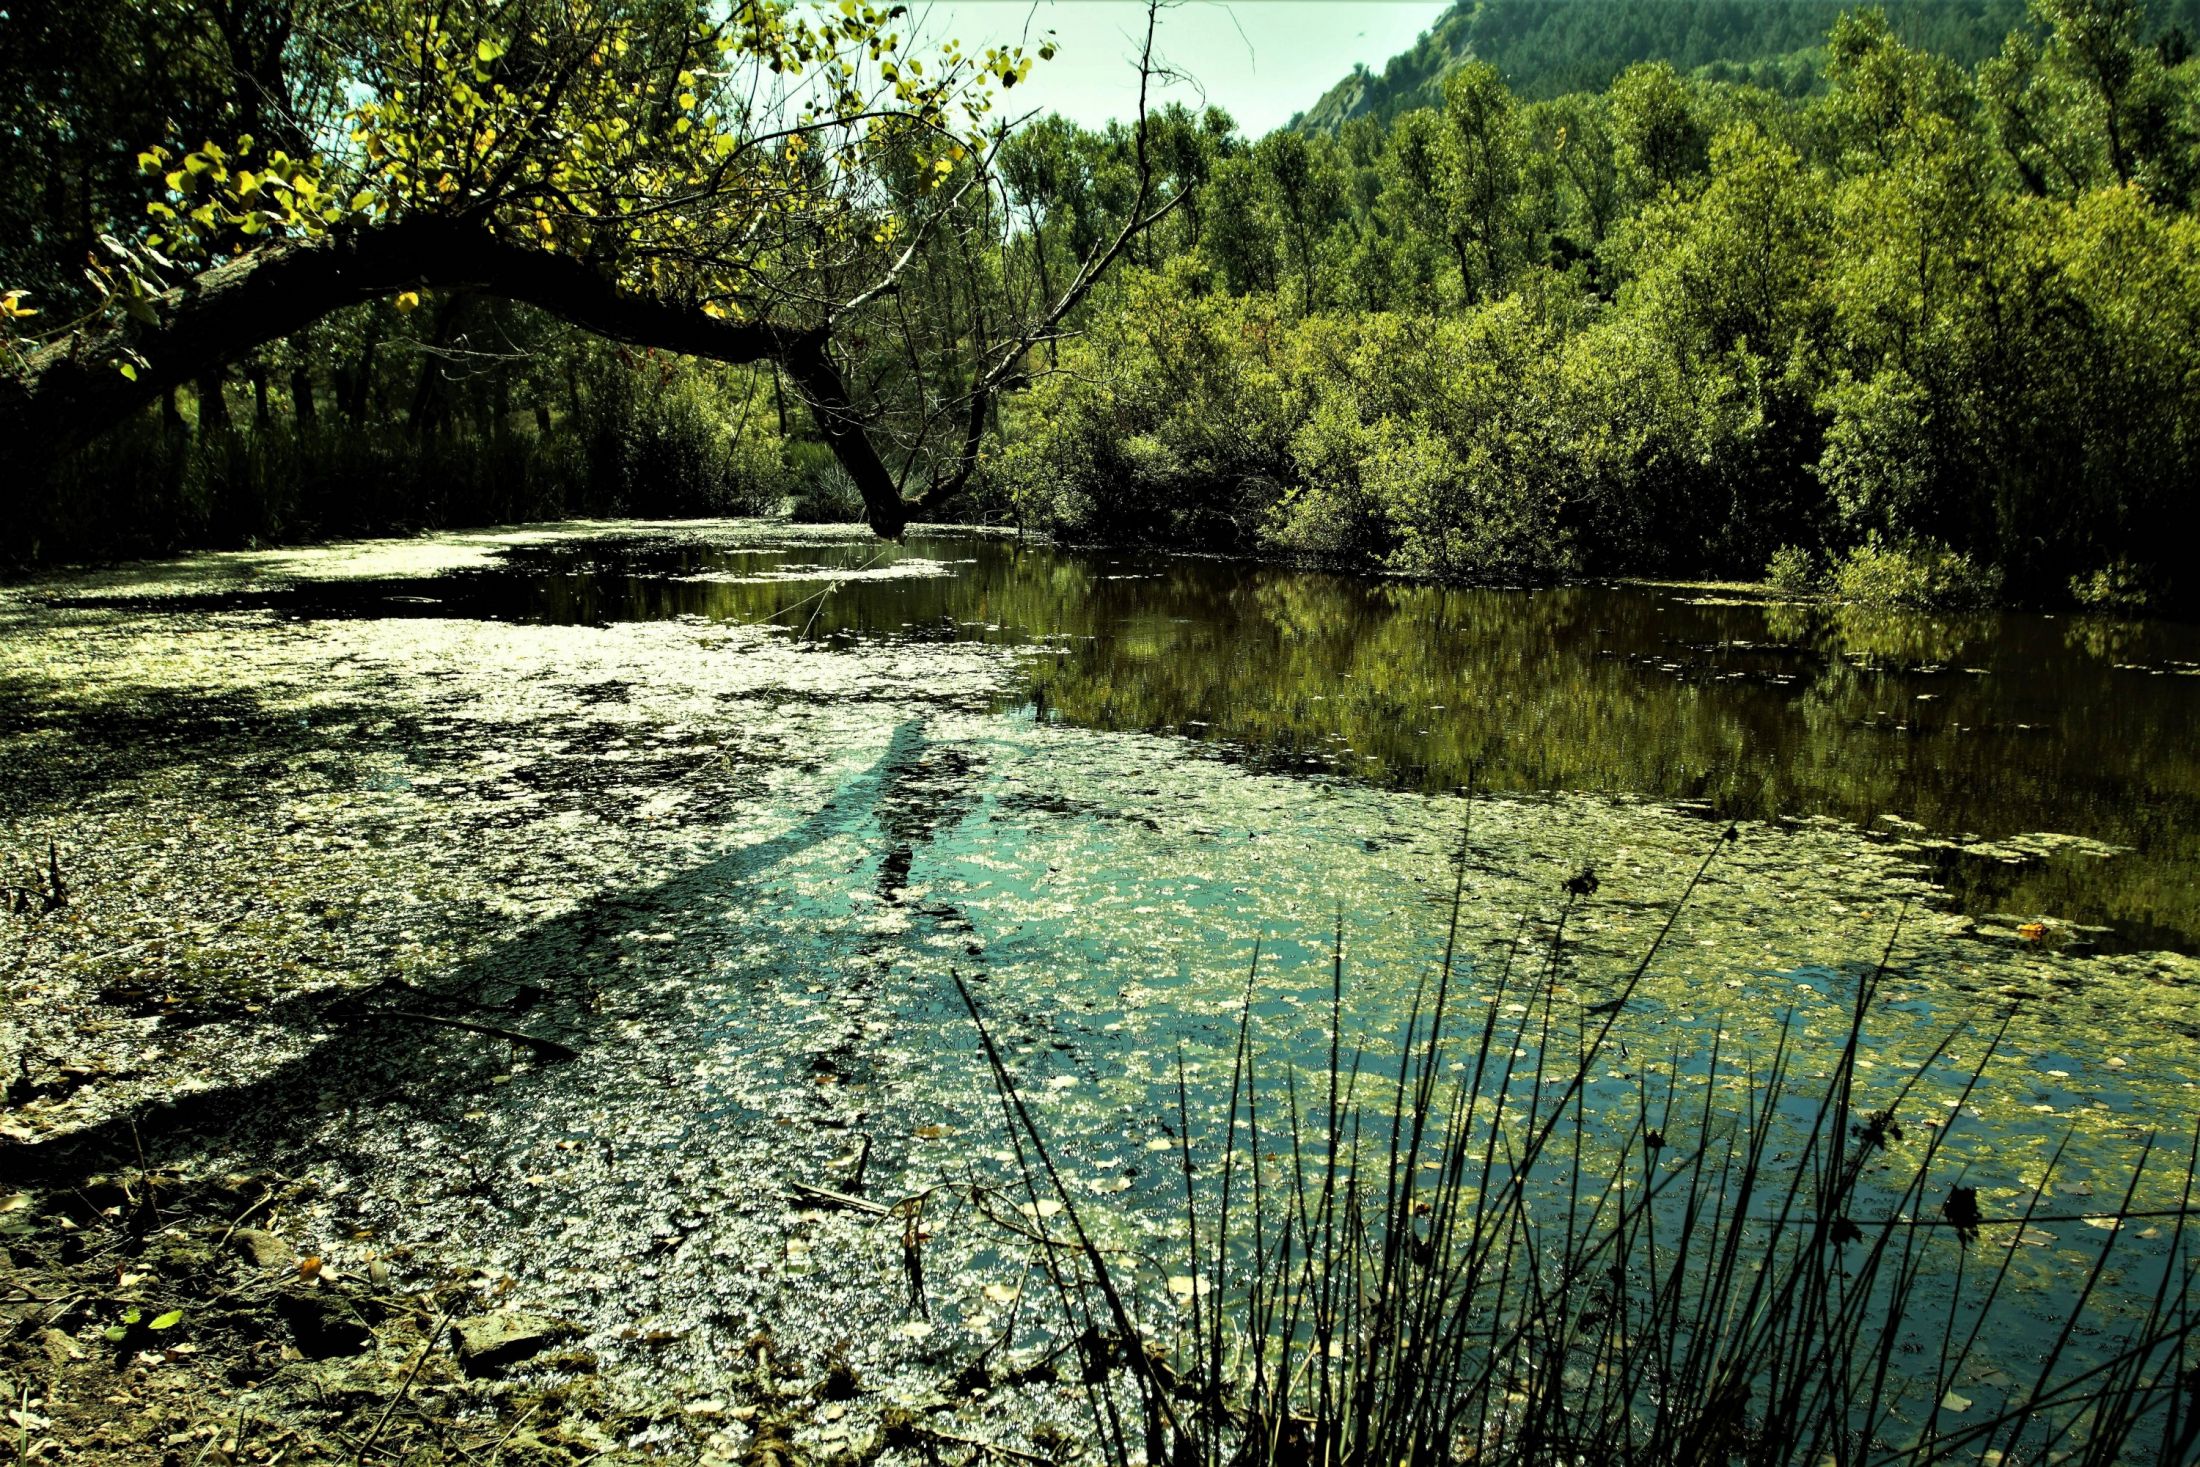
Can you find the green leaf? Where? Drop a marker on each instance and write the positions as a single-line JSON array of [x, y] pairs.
[[169, 1320], [127, 370]]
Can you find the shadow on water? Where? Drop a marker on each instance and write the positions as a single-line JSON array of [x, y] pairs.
[[60, 748], [552, 982], [1972, 729]]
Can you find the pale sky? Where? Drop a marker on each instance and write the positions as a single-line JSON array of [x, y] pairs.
[[1261, 60]]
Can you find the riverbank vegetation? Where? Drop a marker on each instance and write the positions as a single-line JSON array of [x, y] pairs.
[[1922, 328], [1929, 330]]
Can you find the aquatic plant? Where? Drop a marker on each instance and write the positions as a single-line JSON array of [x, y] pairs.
[[1469, 1255]]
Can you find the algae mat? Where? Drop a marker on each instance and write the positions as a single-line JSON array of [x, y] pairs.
[[732, 864]]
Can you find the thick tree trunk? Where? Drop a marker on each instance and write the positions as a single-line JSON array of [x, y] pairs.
[[358, 378], [72, 390], [429, 406], [301, 395], [214, 400]]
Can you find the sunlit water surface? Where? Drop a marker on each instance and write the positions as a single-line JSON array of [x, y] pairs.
[[723, 807]]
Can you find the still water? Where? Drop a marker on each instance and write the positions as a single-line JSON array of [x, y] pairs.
[[726, 809], [2013, 749]]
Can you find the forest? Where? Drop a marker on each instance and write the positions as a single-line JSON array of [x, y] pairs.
[[1545, 48], [1929, 328], [1921, 331]]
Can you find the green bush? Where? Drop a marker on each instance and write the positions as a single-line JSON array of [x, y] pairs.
[[1918, 574], [1170, 422], [2118, 586], [1793, 571], [826, 494]]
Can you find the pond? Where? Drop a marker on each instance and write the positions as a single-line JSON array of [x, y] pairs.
[[2017, 747], [724, 807]]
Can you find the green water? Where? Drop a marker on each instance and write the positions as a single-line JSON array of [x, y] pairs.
[[723, 807], [1996, 737]]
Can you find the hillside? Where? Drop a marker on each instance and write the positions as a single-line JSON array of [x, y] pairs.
[[1545, 48]]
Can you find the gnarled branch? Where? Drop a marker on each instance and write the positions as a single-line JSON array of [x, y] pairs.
[[70, 390]]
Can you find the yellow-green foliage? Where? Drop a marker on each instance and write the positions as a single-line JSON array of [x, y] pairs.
[[1920, 574]]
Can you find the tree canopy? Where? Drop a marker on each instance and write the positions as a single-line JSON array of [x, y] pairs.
[[745, 184]]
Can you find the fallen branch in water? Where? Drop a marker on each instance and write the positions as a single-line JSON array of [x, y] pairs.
[[903, 1423], [550, 1047], [427, 1346], [838, 1199]]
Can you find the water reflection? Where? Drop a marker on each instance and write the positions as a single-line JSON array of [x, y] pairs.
[[1979, 727]]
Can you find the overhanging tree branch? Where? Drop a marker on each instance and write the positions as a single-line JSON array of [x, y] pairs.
[[71, 390]]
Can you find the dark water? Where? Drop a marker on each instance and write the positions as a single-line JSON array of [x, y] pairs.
[[1977, 728]]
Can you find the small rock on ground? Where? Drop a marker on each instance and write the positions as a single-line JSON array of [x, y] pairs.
[[491, 1341], [265, 1249]]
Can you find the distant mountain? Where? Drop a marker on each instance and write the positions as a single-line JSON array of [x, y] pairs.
[[1548, 47]]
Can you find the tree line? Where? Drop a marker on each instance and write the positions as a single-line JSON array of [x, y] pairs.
[[1930, 332], [283, 187]]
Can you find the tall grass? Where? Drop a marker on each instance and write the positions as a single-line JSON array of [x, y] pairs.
[[1467, 1257]]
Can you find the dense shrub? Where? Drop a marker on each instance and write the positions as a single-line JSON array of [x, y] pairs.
[[1919, 574], [2118, 586], [659, 435], [1793, 571]]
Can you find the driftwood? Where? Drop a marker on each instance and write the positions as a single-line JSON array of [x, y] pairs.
[[831, 1198], [536, 1042]]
